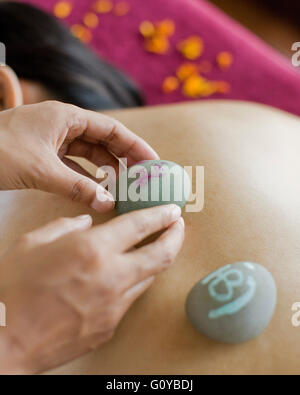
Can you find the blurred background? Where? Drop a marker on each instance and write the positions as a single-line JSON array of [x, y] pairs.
[[188, 50], [275, 21]]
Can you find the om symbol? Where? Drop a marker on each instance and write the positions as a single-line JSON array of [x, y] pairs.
[[231, 278]]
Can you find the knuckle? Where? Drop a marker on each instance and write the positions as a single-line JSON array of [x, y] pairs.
[[167, 257], [86, 251], [141, 224], [52, 107], [58, 111], [99, 253], [90, 267], [52, 103], [93, 262], [71, 108], [52, 112], [75, 120], [112, 133], [79, 189]]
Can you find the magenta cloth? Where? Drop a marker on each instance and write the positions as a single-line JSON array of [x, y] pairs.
[[258, 73]]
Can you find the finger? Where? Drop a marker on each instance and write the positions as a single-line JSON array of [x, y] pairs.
[[59, 228], [134, 227], [132, 294], [100, 128], [76, 167], [155, 257], [94, 153], [12, 95], [62, 180]]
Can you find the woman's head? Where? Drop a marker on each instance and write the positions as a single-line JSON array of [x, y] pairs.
[[49, 63]]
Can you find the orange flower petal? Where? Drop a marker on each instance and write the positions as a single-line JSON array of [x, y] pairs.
[[82, 33], [191, 48], [91, 20], [186, 70], [157, 44], [208, 89], [197, 86], [170, 84], [62, 9], [193, 85], [103, 6], [122, 8], [147, 29], [166, 27], [224, 60]]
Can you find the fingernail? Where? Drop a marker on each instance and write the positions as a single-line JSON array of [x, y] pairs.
[[84, 217], [181, 221], [176, 212], [103, 202]]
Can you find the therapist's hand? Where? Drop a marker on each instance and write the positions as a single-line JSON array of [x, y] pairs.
[[35, 139], [67, 286]]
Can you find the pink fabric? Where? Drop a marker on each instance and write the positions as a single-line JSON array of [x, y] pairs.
[[258, 73]]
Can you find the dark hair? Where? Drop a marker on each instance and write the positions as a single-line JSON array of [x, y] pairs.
[[41, 49]]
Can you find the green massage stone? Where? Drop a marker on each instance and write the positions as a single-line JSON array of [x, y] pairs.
[[151, 183], [233, 304]]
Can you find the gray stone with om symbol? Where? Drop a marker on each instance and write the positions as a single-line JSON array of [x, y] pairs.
[[233, 304], [151, 183]]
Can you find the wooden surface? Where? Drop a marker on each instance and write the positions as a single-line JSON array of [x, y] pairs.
[[278, 30]]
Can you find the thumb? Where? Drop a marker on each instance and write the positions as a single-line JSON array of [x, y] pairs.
[[64, 181], [58, 228]]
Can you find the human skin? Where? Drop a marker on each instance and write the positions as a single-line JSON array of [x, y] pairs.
[[65, 296], [251, 158], [46, 133], [61, 265]]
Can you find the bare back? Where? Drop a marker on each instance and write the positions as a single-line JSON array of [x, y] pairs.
[[252, 212]]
